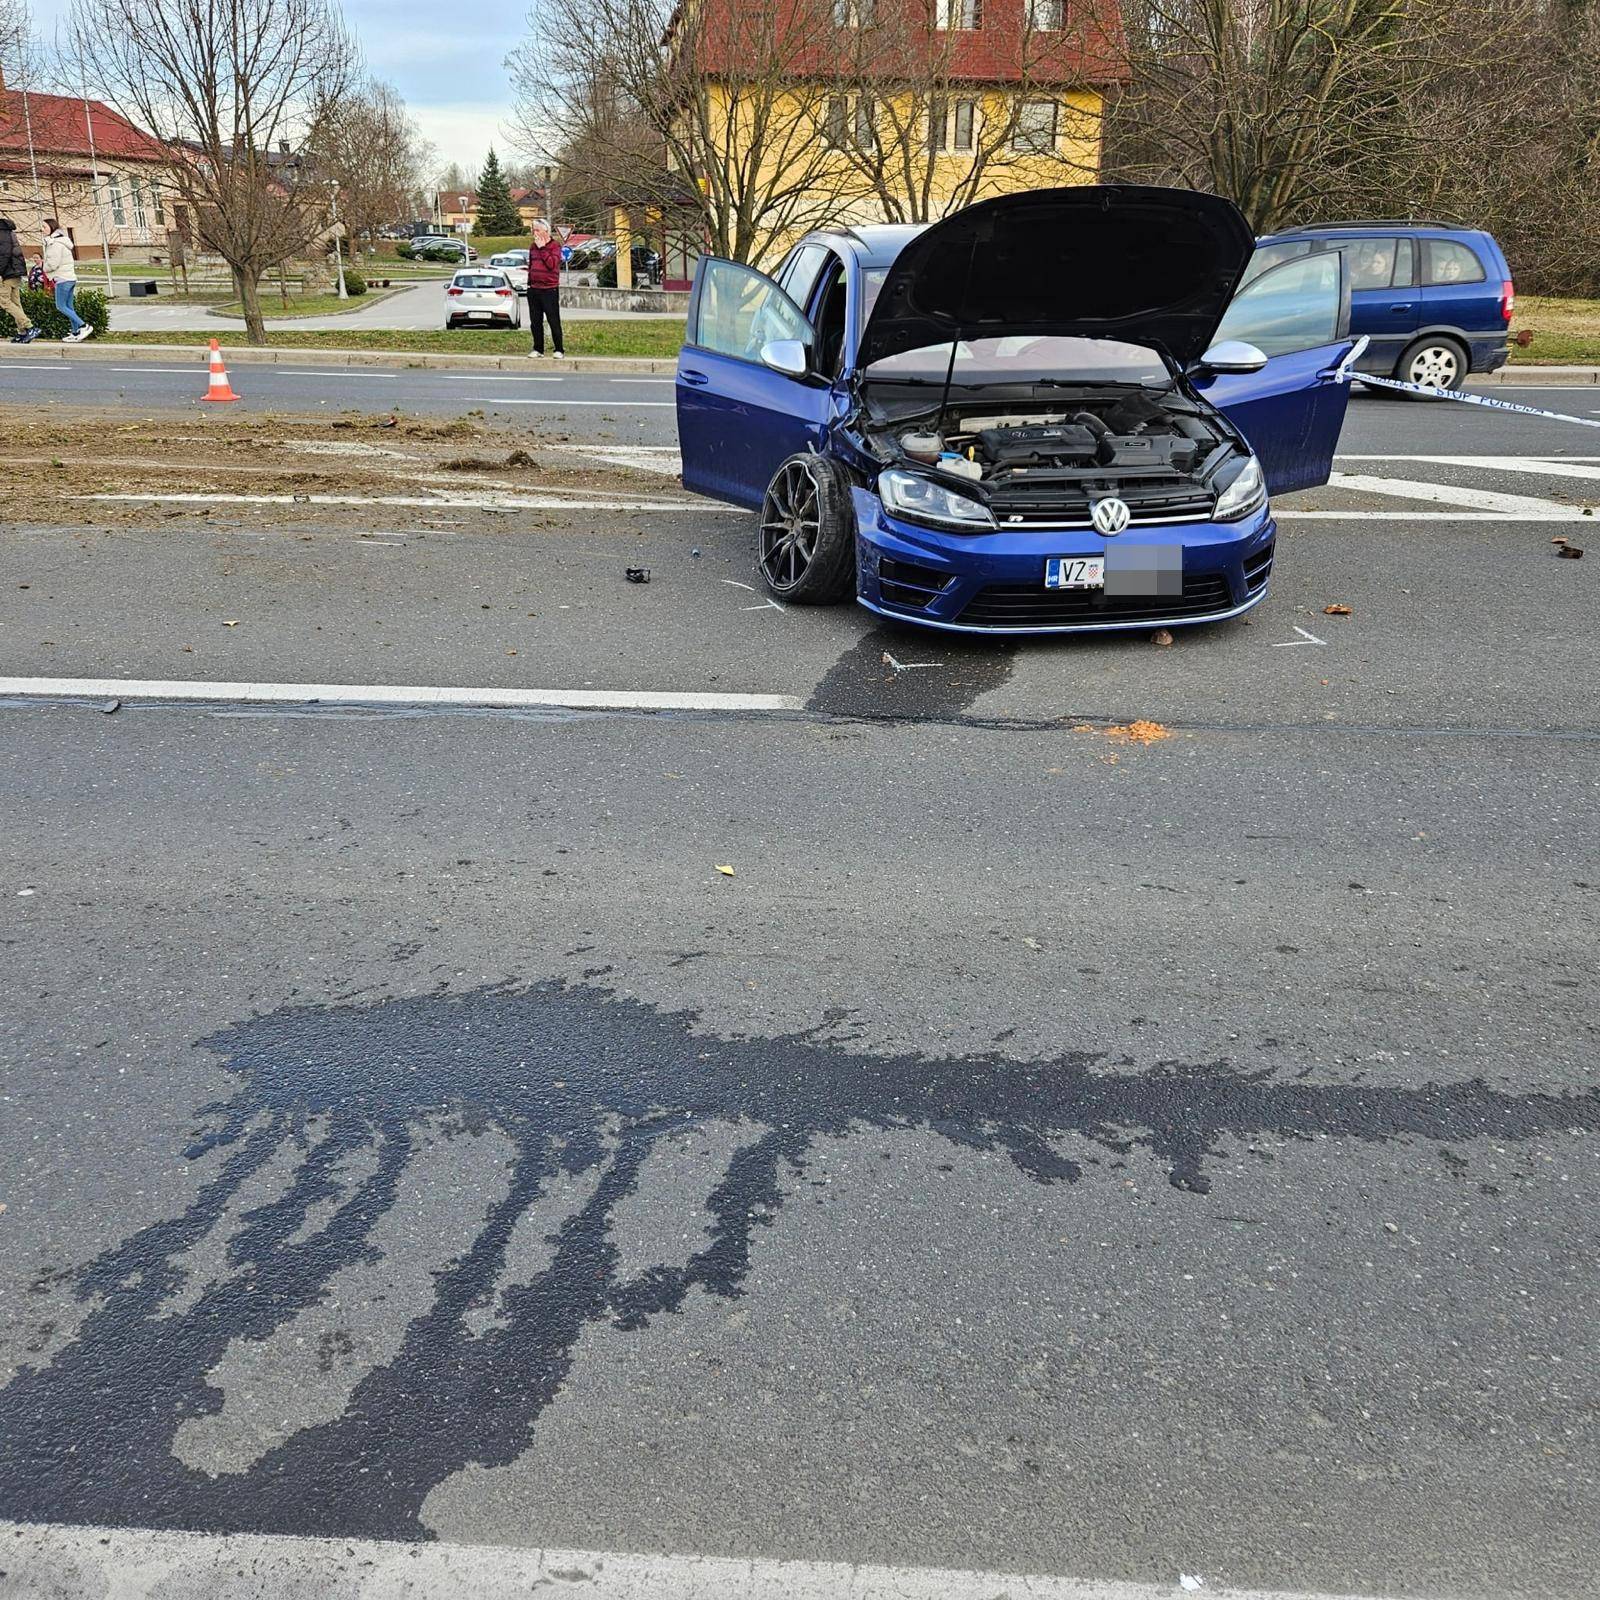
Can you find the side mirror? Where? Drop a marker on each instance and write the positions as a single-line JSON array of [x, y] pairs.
[[788, 356], [1233, 355]]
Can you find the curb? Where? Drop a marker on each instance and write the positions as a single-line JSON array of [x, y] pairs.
[[248, 355]]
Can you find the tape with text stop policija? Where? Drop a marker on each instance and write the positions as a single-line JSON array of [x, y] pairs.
[[1473, 399]]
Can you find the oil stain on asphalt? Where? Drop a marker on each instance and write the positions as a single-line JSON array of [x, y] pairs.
[[574, 1090], [901, 672]]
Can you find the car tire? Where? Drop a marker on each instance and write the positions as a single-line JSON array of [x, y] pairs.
[[1437, 361], [449, 324], [806, 540]]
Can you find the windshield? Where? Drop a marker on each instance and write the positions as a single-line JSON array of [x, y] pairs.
[[1025, 358]]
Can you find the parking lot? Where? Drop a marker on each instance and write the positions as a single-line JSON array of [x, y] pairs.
[[1085, 1108]]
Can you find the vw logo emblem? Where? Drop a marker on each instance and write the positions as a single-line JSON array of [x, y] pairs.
[[1110, 516]]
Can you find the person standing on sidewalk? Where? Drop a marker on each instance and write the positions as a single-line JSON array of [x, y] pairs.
[[61, 267], [544, 288], [13, 275]]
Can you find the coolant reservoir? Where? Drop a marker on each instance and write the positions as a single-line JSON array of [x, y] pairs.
[[922, 446], [959, 466]]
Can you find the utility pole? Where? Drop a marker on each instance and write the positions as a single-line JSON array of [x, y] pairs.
[[338, 252]]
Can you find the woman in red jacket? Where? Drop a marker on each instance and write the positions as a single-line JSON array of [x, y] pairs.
[[544, 288]]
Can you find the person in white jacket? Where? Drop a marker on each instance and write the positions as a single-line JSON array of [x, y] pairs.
[[61, 267]]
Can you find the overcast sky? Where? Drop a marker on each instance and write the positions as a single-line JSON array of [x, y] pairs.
[[447, 59]]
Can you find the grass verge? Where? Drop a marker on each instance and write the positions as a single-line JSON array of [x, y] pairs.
[[599, 337], [1565, 332], [307, 305]]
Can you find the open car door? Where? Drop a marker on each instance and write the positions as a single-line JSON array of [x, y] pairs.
[[738, 415], [1298, 315]]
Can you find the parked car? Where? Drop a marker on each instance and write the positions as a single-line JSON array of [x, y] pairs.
[[441, 246], [1045, 413], [1434, 300], [482, 297], [514, 263]]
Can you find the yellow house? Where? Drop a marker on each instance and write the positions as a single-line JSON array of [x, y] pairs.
[[805, 112]]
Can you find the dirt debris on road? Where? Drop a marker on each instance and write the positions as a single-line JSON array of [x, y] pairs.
[[68, 457]]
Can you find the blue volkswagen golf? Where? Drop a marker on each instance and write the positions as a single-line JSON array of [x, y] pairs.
[[1049, 412]]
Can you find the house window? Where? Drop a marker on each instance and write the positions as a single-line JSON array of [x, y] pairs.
[[137, 195], [119, 214], [960, 13], [866, 123], [155, 203], [836, 122], [1035, 131], [950, 126], [966, 116], [855, 13], [1047, 16]]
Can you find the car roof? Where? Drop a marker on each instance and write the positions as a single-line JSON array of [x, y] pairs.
[[875, 244], [1388, 224]]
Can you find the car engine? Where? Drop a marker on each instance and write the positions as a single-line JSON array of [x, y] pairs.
[[1134, 435]]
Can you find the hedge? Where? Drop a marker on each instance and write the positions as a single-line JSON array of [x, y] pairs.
[[41, 307], [354, 283]]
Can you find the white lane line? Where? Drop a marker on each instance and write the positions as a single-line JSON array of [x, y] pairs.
[[349, 372], [141, 1564], [1446, 494], [1365, 515], [439, 502], [639, 380], [613, 405], [487, 377], [1534, 466], [645, 457], [392, 694], [166, 372]]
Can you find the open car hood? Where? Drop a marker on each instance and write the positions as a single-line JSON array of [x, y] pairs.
[[1116, 261]]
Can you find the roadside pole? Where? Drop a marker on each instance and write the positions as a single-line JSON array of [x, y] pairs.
[[338, 252]]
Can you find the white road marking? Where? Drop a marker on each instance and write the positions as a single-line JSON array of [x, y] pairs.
[[1365, 515], [610, 405], [908, 666], [167, 372], [1305, 638], [485, 377], [349, 372], [1516, 505], [639, 380], [646, 457], [1566, 467], [142, 1564], [391, 694], [439, 502]]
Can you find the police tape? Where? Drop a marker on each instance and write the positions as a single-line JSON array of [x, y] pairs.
[[1472, 399]]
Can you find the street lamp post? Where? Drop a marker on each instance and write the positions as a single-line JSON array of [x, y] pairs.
[[338, 253]]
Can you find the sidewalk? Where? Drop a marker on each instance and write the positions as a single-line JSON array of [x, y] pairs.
[[245, 355], [105, 350]]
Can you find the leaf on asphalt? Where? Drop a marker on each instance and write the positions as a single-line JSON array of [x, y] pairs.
[[1336, 610], [1560, 538], [1161, 636], [1141, 732], [233, 624], [1572, 552], [1032, 943], [727, 872]]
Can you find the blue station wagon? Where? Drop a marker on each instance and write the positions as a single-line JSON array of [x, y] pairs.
[[1434, 301], [1048, 412]]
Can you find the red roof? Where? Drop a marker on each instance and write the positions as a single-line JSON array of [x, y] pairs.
[[61, 126], [735, 34]]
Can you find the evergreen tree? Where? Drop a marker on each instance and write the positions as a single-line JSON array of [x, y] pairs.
[[497, 214]]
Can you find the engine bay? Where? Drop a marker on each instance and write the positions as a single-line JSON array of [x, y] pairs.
[[1093, 436]]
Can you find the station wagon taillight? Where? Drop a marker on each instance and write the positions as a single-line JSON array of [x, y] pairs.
[[1508, 300]]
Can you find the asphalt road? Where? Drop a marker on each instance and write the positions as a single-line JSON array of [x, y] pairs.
[[1045, 1153]]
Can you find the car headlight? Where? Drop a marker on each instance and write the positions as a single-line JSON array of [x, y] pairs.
[[923, 500], [1245, 494]]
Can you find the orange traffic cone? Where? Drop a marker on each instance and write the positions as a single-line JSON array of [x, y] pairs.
[[220, 388]]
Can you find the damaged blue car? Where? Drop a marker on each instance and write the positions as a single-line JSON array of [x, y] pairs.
[[1049, 412]]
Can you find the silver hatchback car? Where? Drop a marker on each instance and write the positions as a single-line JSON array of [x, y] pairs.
[[484, 296]]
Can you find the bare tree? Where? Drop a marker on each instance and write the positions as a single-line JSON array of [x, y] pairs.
[[238, 91], [708, 112], [372, 149], [941, 102], [1290, 106]]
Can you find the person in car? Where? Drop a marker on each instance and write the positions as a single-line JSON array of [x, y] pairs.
[[544, 289]]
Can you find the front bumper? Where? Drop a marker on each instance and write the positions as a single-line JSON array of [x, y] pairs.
[[994, 582]]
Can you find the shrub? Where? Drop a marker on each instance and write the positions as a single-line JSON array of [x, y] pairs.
[[606, 277], [402, 248], [41, 307], [354, 282]]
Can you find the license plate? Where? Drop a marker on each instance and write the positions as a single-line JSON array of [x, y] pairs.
[[480, 313], [1075, 572]]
